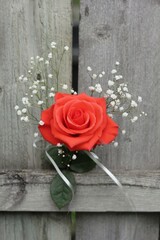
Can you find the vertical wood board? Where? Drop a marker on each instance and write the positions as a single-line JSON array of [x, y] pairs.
[[128, 32], [125, 31], [26, 30], [34, 226], [118, 226]]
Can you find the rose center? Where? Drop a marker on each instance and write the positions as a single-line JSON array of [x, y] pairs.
[[77, 116]]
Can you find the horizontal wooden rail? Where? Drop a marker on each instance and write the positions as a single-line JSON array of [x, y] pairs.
[[28, 190]]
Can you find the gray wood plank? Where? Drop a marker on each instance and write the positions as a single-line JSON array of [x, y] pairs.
[[34, 226], [29, 191], [127, 31], [118, 226], [26, 30]]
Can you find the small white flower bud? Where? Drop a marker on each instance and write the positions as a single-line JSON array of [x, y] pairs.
[[118, 102], [41, 59], [125, 114], [110, 83], [139, 99], [16, 107], [50, 75], [113, 96], [65, 86], [114, 71], [91, 88], [74, 156], [94, 76], [19, 112], [117, 77], [123, 132], [133, 104], [103, 72], [125, 89], [25, 79], [46, 62], [113, 103], [43, 87], [35, 134], [89, 69], [59, 145], [98, 88], [134, 119], [51, 94], [128, 96], [52, 89], [110, 115], [50, 55], [53, 44], [34, 91], [109, 91], [26, 119], [117, 63], [24, 110], [60, 151], [40, 102], [100, 75], [115, 144], [66, 48], [41, 123]]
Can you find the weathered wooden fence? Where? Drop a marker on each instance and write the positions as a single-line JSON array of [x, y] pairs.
[[110, 30]]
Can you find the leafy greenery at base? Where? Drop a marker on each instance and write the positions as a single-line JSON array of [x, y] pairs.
[[83, 163], [68, 162], [61, 194]]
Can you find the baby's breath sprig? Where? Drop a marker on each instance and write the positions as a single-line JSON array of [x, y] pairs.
[[120, 101], [41, 83]]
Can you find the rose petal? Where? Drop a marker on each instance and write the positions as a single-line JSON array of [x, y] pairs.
[[47, 134], [47, 115], [109, 133]]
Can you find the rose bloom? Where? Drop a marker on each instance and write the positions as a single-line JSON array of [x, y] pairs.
[[78, 121]]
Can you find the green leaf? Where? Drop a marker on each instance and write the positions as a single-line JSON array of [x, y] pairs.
[[83, 163], [61, 194], [58, 158]]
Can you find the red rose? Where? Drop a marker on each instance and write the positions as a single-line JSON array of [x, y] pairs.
[[78, 121]]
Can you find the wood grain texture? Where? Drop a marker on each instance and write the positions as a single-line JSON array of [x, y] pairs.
[[26, 30], [127, 31], [117, 226], [28, 190], [34, 226]]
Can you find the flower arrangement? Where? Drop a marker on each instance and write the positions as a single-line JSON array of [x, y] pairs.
[[73, 124]]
